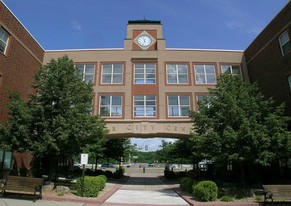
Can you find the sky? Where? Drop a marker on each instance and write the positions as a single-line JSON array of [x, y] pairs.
[[197, 24], [149, 144]]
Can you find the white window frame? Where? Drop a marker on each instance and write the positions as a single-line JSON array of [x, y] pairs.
[[205, 74], [144, 106], [112, 73], [176, 73], [179, 105], [110, 106], [4, 39], [231, 70], [144, 74], [85, 73], [283, 41]]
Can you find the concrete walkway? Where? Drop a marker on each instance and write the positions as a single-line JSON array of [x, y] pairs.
[[145, 189], [141, 189]]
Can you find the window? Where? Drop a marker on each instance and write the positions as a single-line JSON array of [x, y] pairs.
[[111, 106], [285, 43], [144, 73], [87, 72], [289, 81], [4, 36], [231, 69], [112, 74], [178, 106], [205, 74], [144, 106], [177, 73], [200, 98]]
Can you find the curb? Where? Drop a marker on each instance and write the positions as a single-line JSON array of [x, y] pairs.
[[188, 198]]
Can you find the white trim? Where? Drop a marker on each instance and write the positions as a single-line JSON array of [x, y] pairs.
[[282, 44], [111, 74], [178, 105], [167, 49], [95, 49], [215, 50], [111, 105], [177, 74], [205, 74], [144, 106], [231, 65]]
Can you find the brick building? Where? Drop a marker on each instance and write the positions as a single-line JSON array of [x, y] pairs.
[[269, 59], [145, 89], [20, 57]]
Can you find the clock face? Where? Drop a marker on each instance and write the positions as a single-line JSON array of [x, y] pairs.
[[144, 40]]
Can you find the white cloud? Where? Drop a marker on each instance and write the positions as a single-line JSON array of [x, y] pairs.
[[76, 25], [234, 25], [255, 30]]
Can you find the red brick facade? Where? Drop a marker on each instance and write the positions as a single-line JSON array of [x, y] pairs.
[[18, 65], [266, 64]]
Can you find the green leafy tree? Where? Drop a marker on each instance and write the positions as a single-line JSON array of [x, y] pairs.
[[96, 151], [179, 151], [117, 149], [164, 153], [57, 121], [15, 134], [235, 123], [146, 157]]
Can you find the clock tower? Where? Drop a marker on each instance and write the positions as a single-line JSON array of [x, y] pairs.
[[144, 35]]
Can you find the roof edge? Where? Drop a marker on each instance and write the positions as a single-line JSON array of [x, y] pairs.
[[22, 24], [144, 21]]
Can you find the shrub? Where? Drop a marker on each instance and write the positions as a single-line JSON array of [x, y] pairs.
[[92, 186], [102, 179], [186, 184], [119, 172], [226, 198], [169, 174], [108, 174], [205, 191]]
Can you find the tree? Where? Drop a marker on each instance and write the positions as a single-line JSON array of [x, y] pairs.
[[95, 150], [235, 123], [15, 133], [179, 151], [58, 122], [117, 149], [164, 153]]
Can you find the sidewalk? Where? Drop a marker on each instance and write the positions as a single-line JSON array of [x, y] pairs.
[[141, 189], [145, 189]]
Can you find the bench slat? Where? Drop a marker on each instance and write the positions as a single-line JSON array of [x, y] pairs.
[[24, 185], [277, 192]]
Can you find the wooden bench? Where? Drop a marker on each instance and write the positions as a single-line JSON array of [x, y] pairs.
[[277, 193], [23, 185]]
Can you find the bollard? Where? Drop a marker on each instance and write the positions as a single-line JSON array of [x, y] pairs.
[[144, 170]]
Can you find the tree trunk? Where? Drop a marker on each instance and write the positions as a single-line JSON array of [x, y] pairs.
[[53, 164], [96, 162], [242, 173]]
